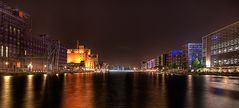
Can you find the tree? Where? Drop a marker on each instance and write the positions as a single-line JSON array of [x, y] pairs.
[[196, 64], [174, 65]]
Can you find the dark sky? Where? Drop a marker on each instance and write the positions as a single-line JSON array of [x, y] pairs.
[[128, 31]]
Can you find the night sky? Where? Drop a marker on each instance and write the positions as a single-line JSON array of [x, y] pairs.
[[128, 31]]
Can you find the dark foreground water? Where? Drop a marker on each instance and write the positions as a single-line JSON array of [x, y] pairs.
[[119, 90]]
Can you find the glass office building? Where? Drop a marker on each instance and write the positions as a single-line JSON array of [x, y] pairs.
[[192, 51], [221, 48]]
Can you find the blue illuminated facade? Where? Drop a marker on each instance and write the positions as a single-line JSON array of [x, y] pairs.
[[192, 52], [175, 59], [176, 52]]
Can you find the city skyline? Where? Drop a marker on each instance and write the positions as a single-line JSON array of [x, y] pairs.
[[127, 32], [119, 54]]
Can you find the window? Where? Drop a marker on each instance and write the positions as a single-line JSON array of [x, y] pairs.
[[25, 53], [6, 51]]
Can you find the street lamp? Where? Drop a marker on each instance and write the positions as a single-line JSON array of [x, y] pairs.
[[45, 67]]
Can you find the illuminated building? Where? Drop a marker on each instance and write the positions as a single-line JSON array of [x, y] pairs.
[[15, 24], [19, 50], [164, 60], [159, 62], [82, 57], [221, 48], [37, 50], [192, 51], [151, 64], [143, 65], [175, 59]]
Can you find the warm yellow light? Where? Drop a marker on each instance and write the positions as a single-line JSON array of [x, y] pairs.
[[18, 64], [30, 76], [30, 65], [7, 77], [74, 58], [208, 64]]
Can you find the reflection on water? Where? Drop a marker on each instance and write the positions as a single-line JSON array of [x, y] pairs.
[[119, 90], [6, 91], [78, 91], [29, 92]]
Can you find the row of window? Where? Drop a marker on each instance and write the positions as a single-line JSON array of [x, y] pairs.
[[7, 51], [226, 50], [2, 51], [226, 44], [227, 61]]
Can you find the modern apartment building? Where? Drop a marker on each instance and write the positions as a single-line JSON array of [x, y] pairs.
[[176, 59], [221, 48]]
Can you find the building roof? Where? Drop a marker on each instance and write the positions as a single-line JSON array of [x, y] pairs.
[[223, 28]]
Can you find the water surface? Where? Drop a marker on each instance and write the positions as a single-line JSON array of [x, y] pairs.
[[118, 90]]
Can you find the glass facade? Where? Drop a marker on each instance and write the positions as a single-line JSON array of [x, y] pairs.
[[192, 51], [221, 48]]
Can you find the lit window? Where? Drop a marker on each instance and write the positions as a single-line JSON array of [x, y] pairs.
[[215, 61], [6, 51], [219, 51], [25, 52], [231, 49], [2, 51], [225, 50]]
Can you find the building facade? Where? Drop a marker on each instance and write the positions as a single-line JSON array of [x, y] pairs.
[[152, 64], [14, 25], [143, 65], [82, 57], [176, 59], [192, 51], [19, 49], [221, 48], [164, 61]]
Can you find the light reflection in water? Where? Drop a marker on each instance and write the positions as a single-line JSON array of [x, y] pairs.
[[189, 94], [29, 97], [6, 92], [163, 90], [43, 87], [88, 90], [78, 91]]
